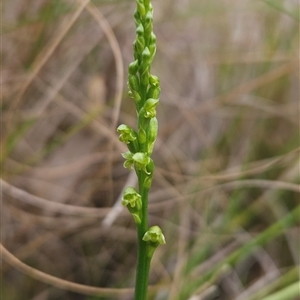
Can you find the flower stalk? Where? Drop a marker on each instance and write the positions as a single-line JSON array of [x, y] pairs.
[[144, 89]]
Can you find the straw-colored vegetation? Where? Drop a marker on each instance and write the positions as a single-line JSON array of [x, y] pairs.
[[226, 183]]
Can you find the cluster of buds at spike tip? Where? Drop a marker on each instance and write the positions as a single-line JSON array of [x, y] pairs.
[[143, 87]]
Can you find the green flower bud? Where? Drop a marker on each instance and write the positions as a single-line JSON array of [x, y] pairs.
[[137, 18], [149, 17], [141, 8], [133, 201], [133, 83], [134, 95], [145, 76], [152, 134], [145, 67], [148, 24], [152, 44], [134, 87], [147, 3], [150, 7], [150, 166], [147, 182], [146, 56], [154, 90], [140, 44], [152, 39], [154, 81], [140, 40], [149, 108], [152, 49], [140, 30], [136, 54], [133, 67], [142, 136]]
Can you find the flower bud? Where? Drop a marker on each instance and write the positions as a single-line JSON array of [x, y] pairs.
[[152, 44], [140, 40], [140, 30], [152, 39], [152, 49], [145, 76], [140, 44], [154, 91], [147, 3], [152, 134], [134, 95], [148, 179], [142, 136], [148, 24], [137, 18], [133, 67], [154, 81], [133, 83], [146, 56], [141, 8]]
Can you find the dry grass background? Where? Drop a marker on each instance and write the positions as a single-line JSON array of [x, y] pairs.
[[226, 187]]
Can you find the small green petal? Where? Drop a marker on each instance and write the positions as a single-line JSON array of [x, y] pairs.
[[127, 155], [128, 162], [141, 158]]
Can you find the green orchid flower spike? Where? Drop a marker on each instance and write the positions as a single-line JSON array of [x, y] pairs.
[[144, 89]]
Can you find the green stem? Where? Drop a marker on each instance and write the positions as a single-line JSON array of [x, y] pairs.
[[142, 271], [143, 261]]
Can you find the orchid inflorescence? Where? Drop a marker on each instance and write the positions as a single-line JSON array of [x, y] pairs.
[[144, 89]]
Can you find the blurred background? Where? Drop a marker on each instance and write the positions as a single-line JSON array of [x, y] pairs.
[[226, 185]]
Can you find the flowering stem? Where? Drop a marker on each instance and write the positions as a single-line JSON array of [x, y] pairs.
[[144, 88]]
